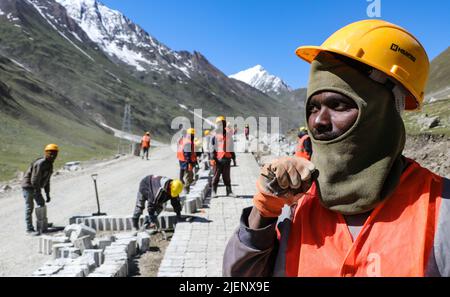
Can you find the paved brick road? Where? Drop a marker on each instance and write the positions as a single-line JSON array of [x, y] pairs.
[[197, 247]]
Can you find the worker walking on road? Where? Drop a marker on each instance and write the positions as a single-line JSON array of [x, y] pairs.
[[37, 177], [359, 208], [145, 145], [187, 158], [222, 154], [303, 148], [155, 191]]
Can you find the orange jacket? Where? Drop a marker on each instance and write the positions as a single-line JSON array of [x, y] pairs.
[[145, 141], [407, 234], [186, 146], [396, 239], [222, 145], [300, 151]]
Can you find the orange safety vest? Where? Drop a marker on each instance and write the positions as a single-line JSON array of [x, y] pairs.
[[145, 141], [396, 239], [300, 150], [180, 151], [222, 143]]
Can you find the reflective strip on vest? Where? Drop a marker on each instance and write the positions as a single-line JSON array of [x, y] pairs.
[[396, 240]]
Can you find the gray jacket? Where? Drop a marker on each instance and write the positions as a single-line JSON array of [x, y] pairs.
[[38, 175]]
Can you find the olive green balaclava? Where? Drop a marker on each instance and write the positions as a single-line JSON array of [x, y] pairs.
[[360, 168]]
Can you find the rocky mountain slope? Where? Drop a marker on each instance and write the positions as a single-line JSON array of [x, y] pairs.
[[66, 66]]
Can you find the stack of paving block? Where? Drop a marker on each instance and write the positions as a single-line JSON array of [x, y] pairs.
[[120, 252], [41, 219], [107, 223], [198, 193], [78, 253]]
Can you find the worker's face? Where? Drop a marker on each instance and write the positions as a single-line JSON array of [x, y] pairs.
[[330, 115], [51, 155]]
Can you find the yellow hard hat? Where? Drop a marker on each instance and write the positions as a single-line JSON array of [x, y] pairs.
[[220, 119], [147, 133], [51, 147], [302, 129], [385, 47], [207, 132], [176, 186], [190, 131]]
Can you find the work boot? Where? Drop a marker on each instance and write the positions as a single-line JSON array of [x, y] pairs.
[[30, 230], [230, 192], [135, 223]]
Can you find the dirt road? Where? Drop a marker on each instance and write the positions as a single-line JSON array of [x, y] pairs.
[[74, 195]]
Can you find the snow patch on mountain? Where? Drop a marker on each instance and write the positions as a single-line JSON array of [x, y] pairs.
[[47, 18], [262, 80]]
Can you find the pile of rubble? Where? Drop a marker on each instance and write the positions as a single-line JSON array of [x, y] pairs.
[[78, 253]]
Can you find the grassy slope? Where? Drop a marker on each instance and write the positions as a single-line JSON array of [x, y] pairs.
[[438, 108], [37, 118]]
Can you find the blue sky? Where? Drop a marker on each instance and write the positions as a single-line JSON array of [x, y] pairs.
[[238, 34]]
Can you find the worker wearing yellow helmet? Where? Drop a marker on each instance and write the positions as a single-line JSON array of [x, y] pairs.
[[37, 177], [187, 158], [155, 191], [369, 211], [222, 152]]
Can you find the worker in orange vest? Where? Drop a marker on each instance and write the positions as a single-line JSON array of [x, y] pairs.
[[303, 148], [145, 145], [187, 158], [222, 153], [359, 207]]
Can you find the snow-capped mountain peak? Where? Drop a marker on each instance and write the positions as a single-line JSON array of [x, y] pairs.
[[121, 39], [262, 80]]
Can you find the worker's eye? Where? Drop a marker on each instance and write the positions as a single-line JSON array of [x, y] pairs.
[[313, 108]]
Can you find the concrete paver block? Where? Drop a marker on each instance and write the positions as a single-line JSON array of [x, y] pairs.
[[94, 254], [76, 231], [70, 252], [41, 213], [190, 207], [56, 249], [83, 243], [104, 242], [143, 241], [42, 225], [45, 245]]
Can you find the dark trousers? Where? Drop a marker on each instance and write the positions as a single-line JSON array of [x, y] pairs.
[[222, 168], [30, 196], [145, 152], [139, 209]]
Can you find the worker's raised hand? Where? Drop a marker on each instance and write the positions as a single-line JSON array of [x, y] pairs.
[[288, 176], [280, 183]]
